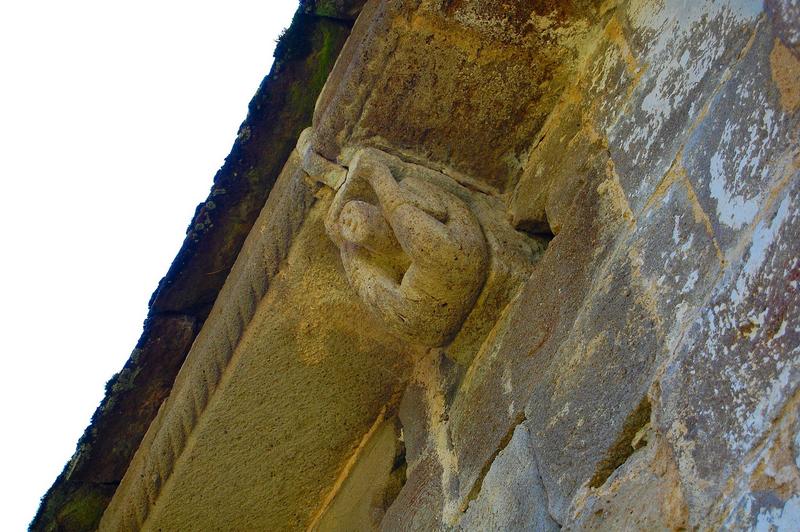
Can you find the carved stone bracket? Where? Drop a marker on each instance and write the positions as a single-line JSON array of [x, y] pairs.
[[414, 252]]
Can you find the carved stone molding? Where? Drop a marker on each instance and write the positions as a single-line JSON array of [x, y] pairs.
[[266, 247]]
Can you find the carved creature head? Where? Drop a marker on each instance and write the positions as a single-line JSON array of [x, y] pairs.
[[363, 224]]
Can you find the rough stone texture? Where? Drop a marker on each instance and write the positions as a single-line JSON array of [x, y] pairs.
[[511, 493], [633, 358], [285, 390], [358, 505], [643, 494], [416, 254], [473, 81], [292, 406], [667, 171]]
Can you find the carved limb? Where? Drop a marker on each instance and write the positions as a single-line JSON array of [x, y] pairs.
[[321, 169], [363, 224]]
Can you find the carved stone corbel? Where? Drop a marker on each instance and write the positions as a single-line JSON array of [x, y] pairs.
[[414, 252]]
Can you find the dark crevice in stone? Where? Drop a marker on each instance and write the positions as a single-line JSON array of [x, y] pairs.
[[624, 446], [539, 229], [476, 487], [397, 477], [543, 485]]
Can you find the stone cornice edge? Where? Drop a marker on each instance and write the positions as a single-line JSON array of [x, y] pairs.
[[266, 247]]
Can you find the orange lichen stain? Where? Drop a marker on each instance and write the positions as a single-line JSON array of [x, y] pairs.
[[592, 133], [674, 173], [616, 34], [612, 192], [451, 34], [786, 75], [701, 216]]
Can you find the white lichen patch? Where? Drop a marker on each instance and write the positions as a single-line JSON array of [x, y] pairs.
[[684, 49], [786, 517]]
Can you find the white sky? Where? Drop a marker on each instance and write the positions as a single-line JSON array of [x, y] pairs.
[[114, 117]]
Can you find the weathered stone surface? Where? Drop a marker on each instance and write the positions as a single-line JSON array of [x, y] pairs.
[[738, 152], [632, 357], [740, 360], [511, 495], [766, 492], [301, 388], [421, 504], [688, 51], [577, 369], [674, 251], [643, 494], [513, 256], [600, 321], [472, 81], [370, 485]]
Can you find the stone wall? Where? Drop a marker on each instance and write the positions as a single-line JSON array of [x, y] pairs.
[[626, 173], [646, 374]]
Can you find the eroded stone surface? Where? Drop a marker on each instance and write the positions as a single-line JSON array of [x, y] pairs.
[[639, 371], [370, 485], [473, 82], [303, 388], [740, 360], [643, 494], [657, 279], [511, 495]]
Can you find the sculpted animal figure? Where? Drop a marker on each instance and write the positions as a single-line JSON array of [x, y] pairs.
[[414, 252]]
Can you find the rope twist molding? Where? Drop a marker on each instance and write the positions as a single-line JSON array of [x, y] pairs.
[[266, 247]]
